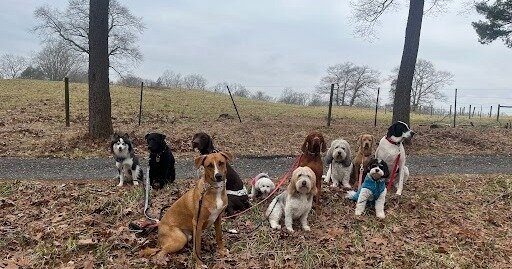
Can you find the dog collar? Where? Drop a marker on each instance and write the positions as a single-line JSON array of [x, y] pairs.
[[241, 192], [392, 142], [158, 155]]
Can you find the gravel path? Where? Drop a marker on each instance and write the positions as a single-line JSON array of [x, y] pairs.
[[39, 168]]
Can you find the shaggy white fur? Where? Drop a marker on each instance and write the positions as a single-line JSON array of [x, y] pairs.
[[295, 202], [263, 186], [339, 159]]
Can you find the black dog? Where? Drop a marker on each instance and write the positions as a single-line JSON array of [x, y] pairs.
[[238, 200], [161, 161]]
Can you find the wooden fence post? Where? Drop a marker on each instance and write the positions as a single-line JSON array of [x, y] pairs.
[[66, 99], [232, 100], [455, 109], [140, 105], [330, 106]]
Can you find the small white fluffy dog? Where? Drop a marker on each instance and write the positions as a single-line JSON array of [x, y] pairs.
[[339, 159], [390, 146], [262, 185], [295, 202]]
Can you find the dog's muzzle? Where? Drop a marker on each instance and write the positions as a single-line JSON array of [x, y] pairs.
[[219, 177]]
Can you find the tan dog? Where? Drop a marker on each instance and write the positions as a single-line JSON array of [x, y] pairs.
[[196, 210], [364, 154]]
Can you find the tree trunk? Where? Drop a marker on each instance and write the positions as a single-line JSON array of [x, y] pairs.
[[402, 101], [100, 120], [343, 95]]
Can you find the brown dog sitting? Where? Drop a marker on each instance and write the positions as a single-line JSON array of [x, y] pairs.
[[364, 155], [196, 210], [313, 145]]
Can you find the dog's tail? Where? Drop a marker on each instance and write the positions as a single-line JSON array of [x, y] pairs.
[[271, 207], [350, 195]]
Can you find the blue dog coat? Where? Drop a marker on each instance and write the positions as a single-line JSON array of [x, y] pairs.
[[376, 187]]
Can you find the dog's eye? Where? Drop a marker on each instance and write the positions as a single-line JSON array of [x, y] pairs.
[[221, 163], [210, 165]]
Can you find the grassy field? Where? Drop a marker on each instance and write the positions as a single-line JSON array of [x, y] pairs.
[[454, 221], [32, 123]]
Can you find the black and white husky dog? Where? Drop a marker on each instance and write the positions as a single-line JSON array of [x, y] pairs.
[[128, 166]]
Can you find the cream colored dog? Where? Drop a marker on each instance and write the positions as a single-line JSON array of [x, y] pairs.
[[295, 202]]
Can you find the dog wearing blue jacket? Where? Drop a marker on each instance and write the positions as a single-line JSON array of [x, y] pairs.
[[373, 188]]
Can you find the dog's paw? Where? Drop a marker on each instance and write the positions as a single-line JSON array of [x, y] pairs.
[[306, 228], [290, 229], [275, 226], [200, 265], [159, 259], [398, 193], [135, 183], [380, 215], [224, 252], [358, 213], [120, 184], [347, 186]]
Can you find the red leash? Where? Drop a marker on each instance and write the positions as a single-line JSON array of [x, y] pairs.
[[393, 172], [279, 184]]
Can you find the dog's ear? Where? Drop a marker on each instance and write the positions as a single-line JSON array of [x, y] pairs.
[[328, 155], [126, 136], [146, 136], [210, 147], [312, 177], [385, 169], [162, 136], [227, 155], [199, 161], [348, 159], [291, 189], [359, 142], [324, 146], [305, 145], [373, 140]]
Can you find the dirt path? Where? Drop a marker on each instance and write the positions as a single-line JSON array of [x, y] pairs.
[[38, 168]]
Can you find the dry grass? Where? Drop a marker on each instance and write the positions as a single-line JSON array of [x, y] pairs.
[[32, 123], [455, 221]]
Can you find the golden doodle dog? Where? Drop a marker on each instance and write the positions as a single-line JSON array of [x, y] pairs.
[[364, 154], [196, 210], [295, 202]]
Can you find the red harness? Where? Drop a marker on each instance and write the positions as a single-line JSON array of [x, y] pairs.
[[393, 172]]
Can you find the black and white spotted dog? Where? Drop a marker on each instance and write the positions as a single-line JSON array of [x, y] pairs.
[[128, 166], [390, 146], [161, 161]]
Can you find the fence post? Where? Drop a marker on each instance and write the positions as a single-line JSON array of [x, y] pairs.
[[450, 111], [498, 114], [431, 110], [455, 109], [469, 112], [490, 112], [481, 107], [473, 115], [140, 105], [376, 108], [66, 99], [232, 100], [330, 106]]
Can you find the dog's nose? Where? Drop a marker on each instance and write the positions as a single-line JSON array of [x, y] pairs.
[[218, 177], [303, 183], [339, 152], [412, 133]]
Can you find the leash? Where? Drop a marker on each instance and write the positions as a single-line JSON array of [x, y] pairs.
[[360, 178], [393, 172], [146, 199], [279, 184]]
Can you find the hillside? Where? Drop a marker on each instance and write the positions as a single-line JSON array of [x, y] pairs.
[[32, 123]]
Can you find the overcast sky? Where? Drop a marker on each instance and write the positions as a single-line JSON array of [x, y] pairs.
[[269, 45]]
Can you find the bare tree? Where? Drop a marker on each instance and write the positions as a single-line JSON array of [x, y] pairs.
[[426, 84], [32, 73], [365, 79], [341, 75], [72, 27], [367, 14], [170, 79], [11, 65], [260, 95], [56, 60], [130, 81], [194, 81], [352, 82], [236, 89], [100, 109], [317, 100], [289, 96]]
